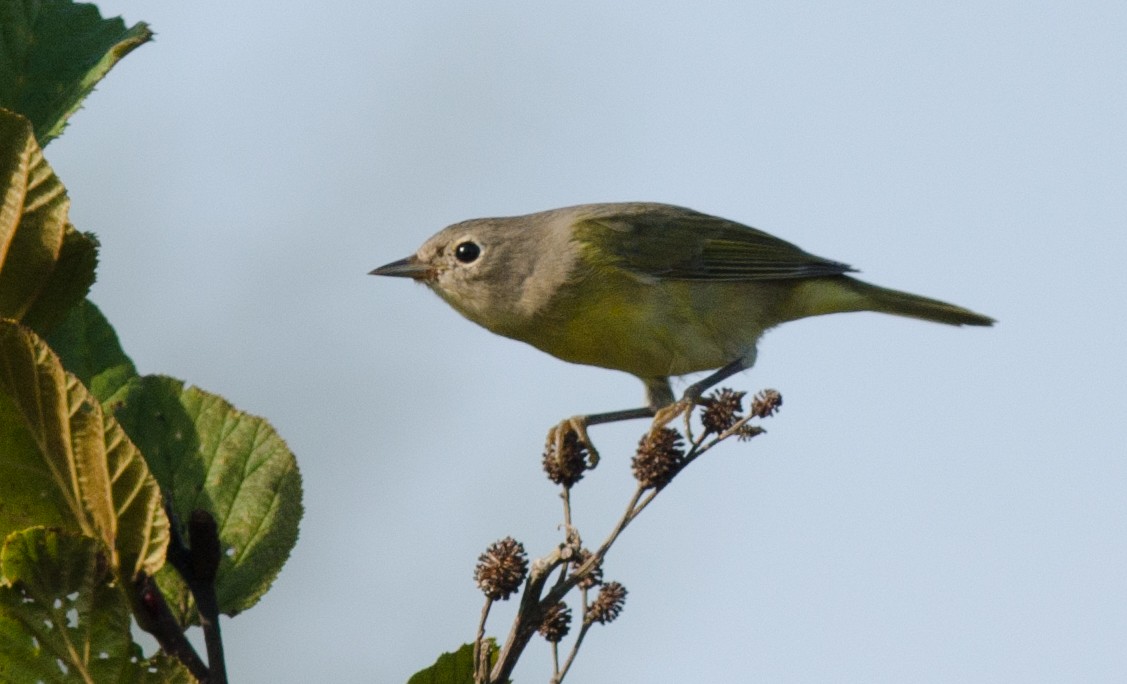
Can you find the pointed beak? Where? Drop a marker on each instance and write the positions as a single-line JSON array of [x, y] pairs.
[[410, 267]]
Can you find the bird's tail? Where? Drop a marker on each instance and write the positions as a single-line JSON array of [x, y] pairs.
[[851, 294]]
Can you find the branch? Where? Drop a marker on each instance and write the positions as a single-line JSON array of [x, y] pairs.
[[198, 565], [154, 616], [660, 457]]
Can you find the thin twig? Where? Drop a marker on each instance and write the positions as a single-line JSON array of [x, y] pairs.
[[480, 672], [574, 652], [535, 601], [560, 674], [555, 662], [528, 616], [563, 576], [645, 502], [619, 527], [566, 496]]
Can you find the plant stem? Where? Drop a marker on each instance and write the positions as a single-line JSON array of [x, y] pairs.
[[574, 651], [480, 665], [566, 496], [529, 614], [534, 601], [627, 516], [208, 605], [155, 617]]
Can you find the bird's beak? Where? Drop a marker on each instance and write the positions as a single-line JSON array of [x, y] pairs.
[[410, 267]]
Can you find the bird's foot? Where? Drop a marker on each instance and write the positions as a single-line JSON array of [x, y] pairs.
[[557, 437], [671, 412], [683, 407]]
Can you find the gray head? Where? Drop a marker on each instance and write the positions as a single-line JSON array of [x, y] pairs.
[[498, 272]]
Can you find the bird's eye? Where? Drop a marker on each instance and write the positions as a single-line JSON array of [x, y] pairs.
[[467, 252]]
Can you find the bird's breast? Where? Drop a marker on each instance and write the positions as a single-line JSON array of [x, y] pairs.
[[649, 327]]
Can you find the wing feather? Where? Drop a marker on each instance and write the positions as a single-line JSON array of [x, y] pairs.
[[660, 240]]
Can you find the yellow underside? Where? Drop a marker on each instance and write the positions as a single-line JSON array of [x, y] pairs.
[[660, 329]]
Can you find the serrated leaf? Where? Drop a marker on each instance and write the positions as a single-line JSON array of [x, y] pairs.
[[46, 266], [452, 668], [207, 454], [62, 619], [69, 282], [33, 217], [53, 53], [88, 477], [88, 347]]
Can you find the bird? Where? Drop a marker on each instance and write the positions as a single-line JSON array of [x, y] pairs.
[[651, 289]]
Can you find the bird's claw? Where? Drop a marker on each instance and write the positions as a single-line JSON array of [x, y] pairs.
[[667, 414], [683, 407], [577, 424]]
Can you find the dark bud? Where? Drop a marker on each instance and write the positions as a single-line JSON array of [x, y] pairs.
[[150, 597], [721, 410], [565, 467], [501, 569], [594, 577], [150, 608], [766, 403], [659, 457], [205, 550], [556, 622], [606, 608]]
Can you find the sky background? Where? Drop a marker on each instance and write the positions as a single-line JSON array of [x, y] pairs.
[[932, 504]]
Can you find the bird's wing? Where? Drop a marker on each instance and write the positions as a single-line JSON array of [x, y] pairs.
[[663, 241]]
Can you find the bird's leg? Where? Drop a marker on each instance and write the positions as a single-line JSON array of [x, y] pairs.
[[693, 392], [557, 435], [579, 425], [661, 408]]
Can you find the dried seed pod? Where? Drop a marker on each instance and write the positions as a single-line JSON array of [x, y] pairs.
[[606, 608], [501, 569], [565, 465], [659, 457], [766, 403], [556, 622], [721, 410]]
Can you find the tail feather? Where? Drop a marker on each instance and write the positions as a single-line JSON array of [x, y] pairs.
[[855, 295]]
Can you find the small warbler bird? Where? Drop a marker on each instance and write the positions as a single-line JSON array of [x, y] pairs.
[[650, 289]]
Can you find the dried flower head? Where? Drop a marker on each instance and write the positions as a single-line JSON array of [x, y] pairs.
[[659, 457], [766, 403], [721, 410], [608, 605], [501, 569], [566, 464], [556, 622], [594, 577]]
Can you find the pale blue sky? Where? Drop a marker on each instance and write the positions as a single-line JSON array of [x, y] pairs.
[[932, 504]]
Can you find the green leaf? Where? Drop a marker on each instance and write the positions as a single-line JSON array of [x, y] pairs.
[[206, 454], [88, 347], [53, 53], [61, 449], [46, 266], [69, 282], [62, 618], [452, 668]]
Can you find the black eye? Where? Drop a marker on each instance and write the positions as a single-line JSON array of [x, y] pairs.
[[467, 252]]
